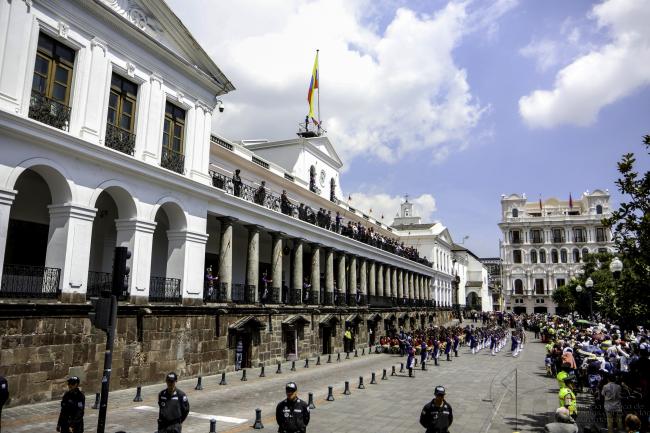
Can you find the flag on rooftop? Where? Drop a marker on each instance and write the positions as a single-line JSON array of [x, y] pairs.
[[313, 85]]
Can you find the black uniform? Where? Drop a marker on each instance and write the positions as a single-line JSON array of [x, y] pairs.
[[71, 418], [292, 416], [174, 408], [436, 419]]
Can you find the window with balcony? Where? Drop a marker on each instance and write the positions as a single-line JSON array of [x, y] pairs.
[[120, 123], [563, 256], [516, 256], [558, 236], [533, 256], [49, 102], [559, 282], [539, 286], [519, 287], [576, 255], [536, 236], [173, 157], [542, 256], [579, 235], [600, 234], [554, 256], [515, 236], [585, 251]]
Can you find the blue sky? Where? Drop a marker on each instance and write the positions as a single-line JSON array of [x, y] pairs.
[[454, 103]]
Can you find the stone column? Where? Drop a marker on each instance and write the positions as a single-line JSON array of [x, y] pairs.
[[380, 280], [137, 236], [363, 277], [276, 266], [352, 289], [400, 286], [253, 261], [225, 256], [6, 200], [329, 273], [315, 274], [411, 288], [341, 280], [388, 291], [297, 279], [393, 282], [68, 248], [372, 287]]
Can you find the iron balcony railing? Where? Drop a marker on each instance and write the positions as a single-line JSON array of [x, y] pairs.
[[328, 298], [339, 298], [269, 295], [238, 295], [49, 111], [295, 297], [311, 297], [163, 289], [97, 283], [215, 292], [120, 139], [25, 281], [172, 160]]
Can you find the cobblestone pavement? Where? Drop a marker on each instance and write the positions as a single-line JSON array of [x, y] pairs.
[[480, 388]]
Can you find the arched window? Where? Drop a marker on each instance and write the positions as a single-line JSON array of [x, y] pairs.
[[533, 256], [599, 209], [519, 287], [563, 256], [554, 257], [576, 255], [585, 251], [515, 213], [542, 256]]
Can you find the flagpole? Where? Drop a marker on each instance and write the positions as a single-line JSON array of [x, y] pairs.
[[318, 77]]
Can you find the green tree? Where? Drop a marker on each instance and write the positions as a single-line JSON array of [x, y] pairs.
[[630, 225], [565, 296]]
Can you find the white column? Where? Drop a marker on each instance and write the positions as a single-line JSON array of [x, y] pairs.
[[17, 52], [372, 275], [352, 289], [148, 141], [329, 274], [94, 81], [68, 248], [225, 256], [6, 200], [198, 150], [253, 259], [276, 266], [380, 280], [315, 274], [137, 236], [186, 260], [363, 277]]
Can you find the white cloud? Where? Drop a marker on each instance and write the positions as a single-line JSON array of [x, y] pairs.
[[603, 75], [385, 91], [389, 206], [544, 52]]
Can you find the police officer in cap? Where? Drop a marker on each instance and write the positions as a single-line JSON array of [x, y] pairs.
[[292, 413], [174, 407], [437, 415], [71, 419]]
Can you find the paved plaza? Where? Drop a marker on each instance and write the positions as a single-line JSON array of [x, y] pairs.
[[480, 389]]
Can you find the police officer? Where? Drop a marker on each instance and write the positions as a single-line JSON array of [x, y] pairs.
[[174, 407], [292, 413], [4, 395], [437, 415], [71, 418]]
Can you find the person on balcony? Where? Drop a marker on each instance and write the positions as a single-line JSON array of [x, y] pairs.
[[265, 285], [236, 183], [260, 193], [210, 281], [337, 226], [328, 220], [306, 290], [285, 204], [302, 212]]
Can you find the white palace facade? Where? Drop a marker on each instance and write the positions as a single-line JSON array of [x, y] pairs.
[[544, 243]]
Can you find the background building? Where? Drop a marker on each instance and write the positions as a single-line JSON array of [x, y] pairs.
[[544, 242]]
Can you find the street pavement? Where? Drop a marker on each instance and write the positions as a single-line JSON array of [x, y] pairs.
[[481, 389]]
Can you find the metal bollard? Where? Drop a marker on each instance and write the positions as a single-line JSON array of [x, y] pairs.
[[213, 425], [243, 375], [198, 386], [424, 366], [279, 370], [383, 376], [329, 358], [293, 365], [363, 351], [356, 353], [373, 380], [311, 401], [96, 405], [416, 362], [346, 391], [138, 394], [223, 379], [330, 395], [306, 362], [258, 420], [347, 355], [338, 357], [361, 386], [262, 371], [393, 373], [401, 367], [318, 360]]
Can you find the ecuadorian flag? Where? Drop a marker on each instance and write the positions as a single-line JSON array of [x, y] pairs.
[[313, 85]]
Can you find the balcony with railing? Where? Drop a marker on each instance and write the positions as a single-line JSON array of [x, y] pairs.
[[215, 292], [172, 160], [162, 289], [120, 139], [98, 282], [25, 281], [49, 111]]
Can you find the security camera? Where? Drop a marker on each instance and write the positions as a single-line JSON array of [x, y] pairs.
[[220, 105]]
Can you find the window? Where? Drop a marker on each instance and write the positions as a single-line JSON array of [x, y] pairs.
[[585, 251], [602, 250], [51, 82], [576, 255], [516, 256], [600, 234], [519, 287], [599, 209], [515, 236], [173, 136], [554, 256], [563, 256], [533, 256], [559, 282], [536, 236], [121, 103], [579, 235], [542, 256], [558, 236], [539, 286], [515, 213]]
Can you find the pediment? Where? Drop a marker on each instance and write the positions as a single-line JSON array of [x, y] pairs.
[[325, 146]]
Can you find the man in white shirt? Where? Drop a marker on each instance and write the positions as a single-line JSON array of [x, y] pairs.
[[612, 402]]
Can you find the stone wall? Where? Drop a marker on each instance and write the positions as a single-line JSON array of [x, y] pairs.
[[39, 352]]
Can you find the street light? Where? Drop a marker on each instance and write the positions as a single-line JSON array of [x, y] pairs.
[[589, 284], [615, 267], [579, 289]]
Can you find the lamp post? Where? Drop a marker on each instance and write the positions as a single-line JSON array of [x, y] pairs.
[[579, 290], [615, 267], [589, 284]]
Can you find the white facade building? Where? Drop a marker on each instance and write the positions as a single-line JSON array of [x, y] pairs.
[[474, 291], [544, 242]]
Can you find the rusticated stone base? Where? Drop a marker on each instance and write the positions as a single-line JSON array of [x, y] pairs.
[[42, 345]]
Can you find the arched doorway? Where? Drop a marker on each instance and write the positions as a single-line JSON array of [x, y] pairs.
[[35, 247], [472, 301], [167, 254]]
